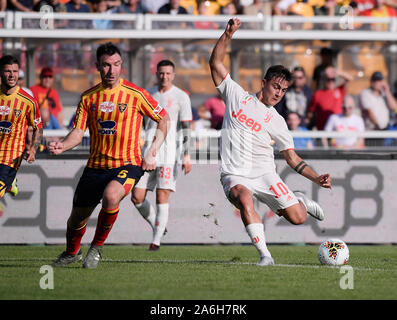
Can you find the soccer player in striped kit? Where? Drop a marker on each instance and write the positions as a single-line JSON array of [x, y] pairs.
[[18, 110], [113, 111], [247, 161]]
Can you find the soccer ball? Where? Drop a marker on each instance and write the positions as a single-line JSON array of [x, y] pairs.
[[333, 252]]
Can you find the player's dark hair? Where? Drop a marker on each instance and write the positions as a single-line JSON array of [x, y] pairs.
[[278, 72], [107, 48], [164, 63], [8, 59]]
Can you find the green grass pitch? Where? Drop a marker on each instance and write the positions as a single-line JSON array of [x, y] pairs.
[[199, 272]]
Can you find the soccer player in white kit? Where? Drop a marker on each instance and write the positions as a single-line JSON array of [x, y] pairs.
[[247, 159], [178, 106]]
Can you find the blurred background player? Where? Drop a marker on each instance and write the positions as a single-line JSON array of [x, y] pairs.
[[347, 122], [113, 111], [178, 106], [247, 157], [18, 110]]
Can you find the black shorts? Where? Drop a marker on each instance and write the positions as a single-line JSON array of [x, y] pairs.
[[93, 182], [7, 176]]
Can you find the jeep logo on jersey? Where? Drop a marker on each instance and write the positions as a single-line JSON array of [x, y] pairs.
[[106, 106], [4, 110], [107, 127], [5, 126], [249, 122]]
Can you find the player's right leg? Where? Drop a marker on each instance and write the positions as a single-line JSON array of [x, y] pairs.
[[144, 207], [241, 197], [75, 230], [138, 197], [87, 195]]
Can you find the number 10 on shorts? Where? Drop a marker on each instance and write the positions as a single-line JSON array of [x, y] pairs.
[[279, 188]]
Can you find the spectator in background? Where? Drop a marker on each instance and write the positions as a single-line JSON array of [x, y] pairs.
[[232, 8], [281, 7], [130, 6], [213, 110], [294, 124], [3, 5], [327, 56], [21, 5], [297, 97], [348, 121], [380, 9], [172, 7], [46, 95], [202, 10], [375, 103], [330, 8], [77, 6], [101, 6], [329, 100], [259, 7], [153, 6]]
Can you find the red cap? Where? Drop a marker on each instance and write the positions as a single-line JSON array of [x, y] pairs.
[[46, 72]]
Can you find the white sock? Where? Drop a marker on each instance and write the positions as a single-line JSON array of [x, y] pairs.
[[257, 235], [147, 211], [161, 222]]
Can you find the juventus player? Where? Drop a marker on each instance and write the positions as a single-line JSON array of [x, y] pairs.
[[247, 159]]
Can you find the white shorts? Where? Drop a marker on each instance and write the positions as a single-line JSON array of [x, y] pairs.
[[268, 189], [163, 178]]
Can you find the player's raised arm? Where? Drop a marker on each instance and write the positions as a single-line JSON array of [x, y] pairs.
[[218, 69], [301, 167], [149, 162], [74, 138]]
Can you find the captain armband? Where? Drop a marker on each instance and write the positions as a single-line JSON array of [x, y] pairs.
[[300, 166]]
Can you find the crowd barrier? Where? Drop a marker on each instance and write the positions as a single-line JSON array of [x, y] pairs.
[[360, 208]]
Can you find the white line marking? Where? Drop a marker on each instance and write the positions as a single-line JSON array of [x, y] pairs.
[[307, 266]]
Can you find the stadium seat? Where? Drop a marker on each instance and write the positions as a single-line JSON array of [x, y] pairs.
[[74, 80]]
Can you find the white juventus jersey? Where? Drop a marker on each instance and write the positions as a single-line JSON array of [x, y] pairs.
[[178, 106], [248, 128]]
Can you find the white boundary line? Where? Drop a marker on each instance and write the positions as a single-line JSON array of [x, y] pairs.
[[206, 262]]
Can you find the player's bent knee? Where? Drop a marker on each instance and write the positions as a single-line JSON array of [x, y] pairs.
[[294, 215]]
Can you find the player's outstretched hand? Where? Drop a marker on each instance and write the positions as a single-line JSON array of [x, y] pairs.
[[30, 155], [187, 164], [232, 26], [56, 147], [324, 181], [149, 162]]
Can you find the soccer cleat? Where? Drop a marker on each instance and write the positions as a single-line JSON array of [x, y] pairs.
[[14, 188], [66, 258], [265, 261], [154, 247], [312, 207], [92, 258]]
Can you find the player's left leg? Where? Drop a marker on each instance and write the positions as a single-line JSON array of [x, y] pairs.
[[162, 214], [120, 185]]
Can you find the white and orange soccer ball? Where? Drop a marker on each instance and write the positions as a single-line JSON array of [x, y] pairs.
[[333, 252]]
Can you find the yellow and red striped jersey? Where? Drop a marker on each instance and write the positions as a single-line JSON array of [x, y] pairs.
[[114, 118], [17, 111]]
